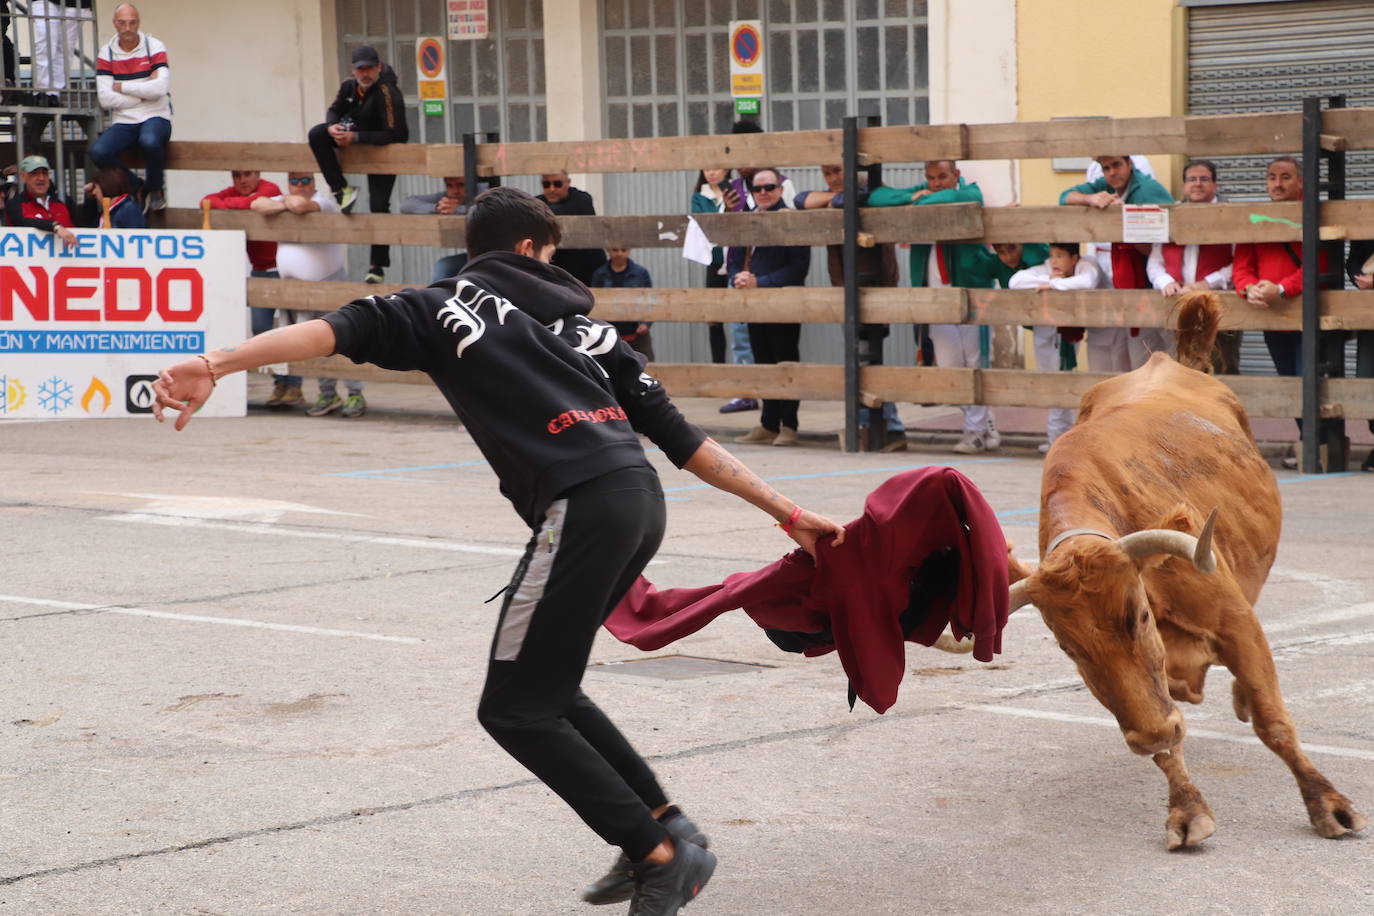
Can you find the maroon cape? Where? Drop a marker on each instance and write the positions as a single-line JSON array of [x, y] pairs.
[[858, 589]]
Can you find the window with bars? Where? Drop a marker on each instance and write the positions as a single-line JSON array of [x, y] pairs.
[[667, 69], [494, 84]]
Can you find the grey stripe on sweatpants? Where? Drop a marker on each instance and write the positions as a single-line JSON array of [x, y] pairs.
[[515, 621]]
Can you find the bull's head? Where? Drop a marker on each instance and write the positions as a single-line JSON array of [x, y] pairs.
[[1092, 598]]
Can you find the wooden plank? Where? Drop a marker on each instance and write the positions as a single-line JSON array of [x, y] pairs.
[[344, 368], [802, 381], [776, 227], [347, 229], [923, 224], [392, 159], [1110, 308], [807, 304], [312, 296], [918, 143], [799, 147], [1347, 310], [1350, 398]]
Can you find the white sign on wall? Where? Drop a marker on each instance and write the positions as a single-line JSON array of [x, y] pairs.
[[467, 19], [84, 330]]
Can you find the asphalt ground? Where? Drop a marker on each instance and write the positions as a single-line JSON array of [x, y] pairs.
[[241, 663]]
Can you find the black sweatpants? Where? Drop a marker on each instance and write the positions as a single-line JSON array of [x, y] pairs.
[[379, 187], [776, 343], [594, 541]]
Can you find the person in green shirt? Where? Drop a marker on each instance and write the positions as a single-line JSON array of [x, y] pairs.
[[1121, 183], [943, 265]]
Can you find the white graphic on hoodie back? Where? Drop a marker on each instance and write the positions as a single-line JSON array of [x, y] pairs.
[[460, 313]]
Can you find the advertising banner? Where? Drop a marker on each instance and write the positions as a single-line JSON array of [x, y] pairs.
[[84, 330]]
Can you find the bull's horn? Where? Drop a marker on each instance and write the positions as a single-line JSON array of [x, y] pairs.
[[947, 643], [1143, 544], [1019, 592]]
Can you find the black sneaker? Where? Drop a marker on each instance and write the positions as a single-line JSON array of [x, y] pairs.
[[618, 884], [663, 890]]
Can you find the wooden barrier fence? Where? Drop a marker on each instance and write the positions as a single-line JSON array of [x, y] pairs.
[[1340, 129]]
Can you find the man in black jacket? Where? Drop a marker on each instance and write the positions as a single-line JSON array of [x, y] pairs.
[[368, 109], [555, 401], [565, 200]]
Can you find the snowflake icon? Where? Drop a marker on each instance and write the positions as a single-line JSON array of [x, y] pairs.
[[54, 395]]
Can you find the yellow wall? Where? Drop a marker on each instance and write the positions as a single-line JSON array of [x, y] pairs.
[[1089, 57]]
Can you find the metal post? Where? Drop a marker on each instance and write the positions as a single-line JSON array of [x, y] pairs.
[[1311, 282], [470, 162], [1333, 342], [850, 260]]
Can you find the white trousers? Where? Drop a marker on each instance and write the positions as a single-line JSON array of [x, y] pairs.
[[956, 347], [55, 32], [1047, 360], [1108, 350]]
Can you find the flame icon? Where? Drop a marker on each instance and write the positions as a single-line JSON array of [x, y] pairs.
[[96, 387]]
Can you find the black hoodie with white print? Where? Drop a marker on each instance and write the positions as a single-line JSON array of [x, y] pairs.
[[552, 397]]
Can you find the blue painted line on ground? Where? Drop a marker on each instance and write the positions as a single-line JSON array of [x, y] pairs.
[[1306, 477]]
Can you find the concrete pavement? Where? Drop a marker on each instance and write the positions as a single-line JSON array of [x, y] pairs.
[[241, 665]]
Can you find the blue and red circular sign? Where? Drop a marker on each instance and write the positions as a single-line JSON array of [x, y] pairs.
[[430, 57], [745, 44]]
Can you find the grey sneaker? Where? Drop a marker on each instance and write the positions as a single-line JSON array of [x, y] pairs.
[[663, 890], [355, 406], [324, 404], [992, 440], [619, 884], [970, 444]]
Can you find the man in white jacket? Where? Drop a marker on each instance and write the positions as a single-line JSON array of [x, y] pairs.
[[1064, 270], [134, 84]]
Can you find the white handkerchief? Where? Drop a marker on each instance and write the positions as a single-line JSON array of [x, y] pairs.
[[696, 246]]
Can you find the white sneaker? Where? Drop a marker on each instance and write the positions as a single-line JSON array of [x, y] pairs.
[[971, 444], [992, 439]]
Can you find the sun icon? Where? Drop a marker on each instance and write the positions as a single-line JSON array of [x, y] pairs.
[[12, 394]]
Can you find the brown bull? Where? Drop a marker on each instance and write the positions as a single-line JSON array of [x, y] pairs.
[[1123, 581]]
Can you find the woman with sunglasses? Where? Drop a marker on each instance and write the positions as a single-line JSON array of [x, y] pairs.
[[767, 267]]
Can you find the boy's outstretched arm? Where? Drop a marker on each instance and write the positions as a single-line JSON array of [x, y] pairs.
[[722, 470], [187, 385]]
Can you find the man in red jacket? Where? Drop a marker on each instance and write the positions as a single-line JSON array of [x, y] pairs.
[[38, 206], [1266, 273]]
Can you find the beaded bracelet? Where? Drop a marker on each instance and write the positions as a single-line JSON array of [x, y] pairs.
[[208, 368], [791, 522]]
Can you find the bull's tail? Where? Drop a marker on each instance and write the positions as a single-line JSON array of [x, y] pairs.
[[1199, 315]]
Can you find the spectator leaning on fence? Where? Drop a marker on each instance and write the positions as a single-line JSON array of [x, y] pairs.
[[1175, 269], [1064, 270], [111, 189], [1360, 268], [619, 272], [771, 266], [451, 201], [565, 200], [876, 266], [37, 206], [315, 262], [369, 109], [245, 187], [944, 265], [1121, 184], [134, 84], [1266, 273]]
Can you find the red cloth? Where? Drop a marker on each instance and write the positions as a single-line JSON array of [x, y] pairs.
[[858, 589], [940, 263], [1210, 259], [262, 255]]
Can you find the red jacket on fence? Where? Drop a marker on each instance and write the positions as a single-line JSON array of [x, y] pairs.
[[1278, 262], [262, 255], [856, 593]]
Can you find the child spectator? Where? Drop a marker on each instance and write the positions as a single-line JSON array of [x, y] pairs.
[[622, 273]]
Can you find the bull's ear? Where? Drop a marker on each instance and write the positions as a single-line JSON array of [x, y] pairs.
[[1016, 570]]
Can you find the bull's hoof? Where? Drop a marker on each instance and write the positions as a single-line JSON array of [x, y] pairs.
[[1332, 815], [1188, 827]]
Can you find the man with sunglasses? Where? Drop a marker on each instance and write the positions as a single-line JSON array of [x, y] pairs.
[[565, 200]]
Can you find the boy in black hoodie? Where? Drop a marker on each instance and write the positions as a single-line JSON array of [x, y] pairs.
[[555, 401], [368, 109]]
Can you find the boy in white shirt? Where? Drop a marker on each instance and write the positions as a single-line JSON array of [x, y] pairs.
[[1065, 270]]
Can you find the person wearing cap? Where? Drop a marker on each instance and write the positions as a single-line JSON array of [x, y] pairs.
[[368, 109], [134, 84], [36, 206]]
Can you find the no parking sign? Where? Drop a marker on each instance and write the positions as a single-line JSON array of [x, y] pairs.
[[746, 58], [433, 81]]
